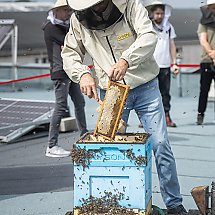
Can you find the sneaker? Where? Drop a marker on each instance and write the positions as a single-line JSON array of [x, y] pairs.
[[57, 152], [178, 210], [169, 121], [200, 118]]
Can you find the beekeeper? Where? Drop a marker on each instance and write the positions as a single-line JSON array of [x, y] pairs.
[[121, 40]]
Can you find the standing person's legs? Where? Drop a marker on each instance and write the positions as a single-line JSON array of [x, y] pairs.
[[61, 93], [61, 109], [205, 83], [164, 80], [147, 102], [79, 104], [164, 86]]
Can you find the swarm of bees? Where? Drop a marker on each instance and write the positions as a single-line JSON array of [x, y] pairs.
[[138, 160], [82, 157], [106, 205]]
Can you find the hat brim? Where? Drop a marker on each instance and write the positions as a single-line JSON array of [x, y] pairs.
[[59, 3], [82, 4], [210, 2], [149, 7]]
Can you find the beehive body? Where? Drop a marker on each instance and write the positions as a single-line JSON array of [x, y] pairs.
[[112, 171]]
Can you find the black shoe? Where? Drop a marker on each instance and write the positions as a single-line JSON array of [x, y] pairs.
[[200, 118], [83, 132], [178, 210]]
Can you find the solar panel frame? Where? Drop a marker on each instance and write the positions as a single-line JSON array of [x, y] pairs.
[[17, 117]]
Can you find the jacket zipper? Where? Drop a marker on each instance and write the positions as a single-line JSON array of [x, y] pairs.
[[111, 49]]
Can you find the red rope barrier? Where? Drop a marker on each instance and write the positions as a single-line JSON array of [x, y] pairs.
[[25, 79], [189, 65], [91, 66]]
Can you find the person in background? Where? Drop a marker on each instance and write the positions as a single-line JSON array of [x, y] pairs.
[[120, 38], [55, 30], [165, 52], [206, 31]]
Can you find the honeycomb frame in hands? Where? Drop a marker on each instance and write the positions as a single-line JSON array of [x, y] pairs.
[[111, 110]]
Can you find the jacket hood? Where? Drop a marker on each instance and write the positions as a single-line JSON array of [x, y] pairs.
[[168, 9], [121, 4]]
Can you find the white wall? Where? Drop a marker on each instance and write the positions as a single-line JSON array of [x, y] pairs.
[[191, 54], [186, 3]]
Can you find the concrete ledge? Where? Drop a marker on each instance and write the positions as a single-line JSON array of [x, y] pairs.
[[68, 124]]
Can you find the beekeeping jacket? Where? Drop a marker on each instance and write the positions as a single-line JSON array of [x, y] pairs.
[[131, 37]]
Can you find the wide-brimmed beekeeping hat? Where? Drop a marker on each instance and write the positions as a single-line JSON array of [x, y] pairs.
[[59, 3], [210, 2], [150, 3], [82, 4]]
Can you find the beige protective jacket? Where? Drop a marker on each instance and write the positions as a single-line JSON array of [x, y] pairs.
[[133, 39]]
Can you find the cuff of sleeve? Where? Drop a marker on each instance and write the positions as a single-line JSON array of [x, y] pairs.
[[127, 59], [82, 73]]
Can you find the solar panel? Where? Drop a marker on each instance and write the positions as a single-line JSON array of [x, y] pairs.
[[6, 26], [18, 117], [4, 30]]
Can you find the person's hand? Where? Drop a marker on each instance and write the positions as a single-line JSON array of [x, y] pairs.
[[175, 69], [118, 70], [88, 86], [212, 54]]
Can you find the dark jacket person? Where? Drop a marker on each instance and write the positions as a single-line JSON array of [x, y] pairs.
[[55, 30]]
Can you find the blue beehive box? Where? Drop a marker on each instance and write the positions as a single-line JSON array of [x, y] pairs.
[[112, 170]]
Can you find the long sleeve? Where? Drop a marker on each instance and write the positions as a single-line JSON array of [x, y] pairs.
[[144, 46], [73, 54]]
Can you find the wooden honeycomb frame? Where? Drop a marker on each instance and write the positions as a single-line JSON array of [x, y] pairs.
[[111, 110]]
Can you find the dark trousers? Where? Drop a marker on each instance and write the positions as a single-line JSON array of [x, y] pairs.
[[63, 88], [205, 82], [164, 86]]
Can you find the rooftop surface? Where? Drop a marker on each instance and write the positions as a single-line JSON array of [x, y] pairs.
[[31, 184]]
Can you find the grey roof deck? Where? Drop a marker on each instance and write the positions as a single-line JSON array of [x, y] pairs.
[[31, 184]]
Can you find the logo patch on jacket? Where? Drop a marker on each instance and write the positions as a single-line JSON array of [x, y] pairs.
[[124, 36]]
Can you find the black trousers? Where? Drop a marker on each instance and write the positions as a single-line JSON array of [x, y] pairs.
[[164, 78], [63, 88], [207, 75]]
